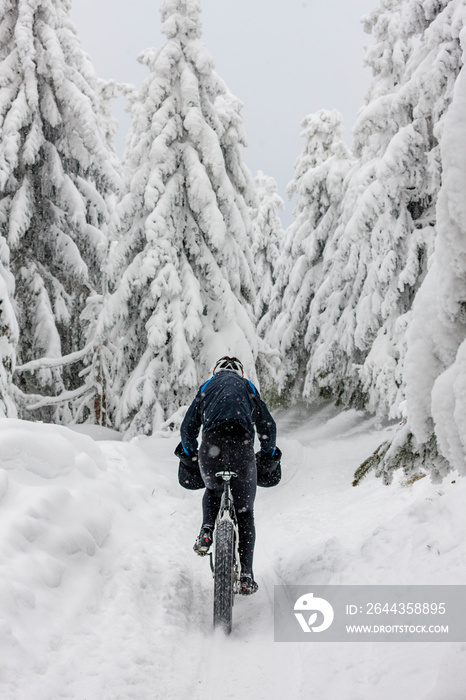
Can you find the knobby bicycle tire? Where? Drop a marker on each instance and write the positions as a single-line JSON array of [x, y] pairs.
[[223, 575]]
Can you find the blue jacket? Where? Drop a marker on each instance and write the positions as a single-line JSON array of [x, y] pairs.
[[228, 398]]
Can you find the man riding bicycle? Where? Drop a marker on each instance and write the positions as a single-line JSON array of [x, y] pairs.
[[229, 407]]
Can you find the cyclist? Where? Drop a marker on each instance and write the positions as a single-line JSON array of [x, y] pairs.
[[228, 407]]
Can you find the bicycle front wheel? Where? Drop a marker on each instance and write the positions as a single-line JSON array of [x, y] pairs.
[[223, 575]]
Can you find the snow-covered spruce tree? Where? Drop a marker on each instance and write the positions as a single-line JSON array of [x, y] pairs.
[[57, 177], [434, 436], [184, 286], [268, 241], [8, 335], [386, 232], [268, 235], [318, 182]]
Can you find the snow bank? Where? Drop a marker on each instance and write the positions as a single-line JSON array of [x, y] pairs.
[[67, 522]]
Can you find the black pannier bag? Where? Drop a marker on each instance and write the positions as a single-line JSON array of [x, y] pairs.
[[269, 469], [189, 475]]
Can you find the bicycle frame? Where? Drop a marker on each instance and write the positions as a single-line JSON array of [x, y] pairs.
[[226, 504]]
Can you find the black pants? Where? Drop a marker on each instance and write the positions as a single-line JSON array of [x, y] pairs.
[[231, 447]]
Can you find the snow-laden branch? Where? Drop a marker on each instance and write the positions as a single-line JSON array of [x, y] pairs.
[[61, 398], [48, 362]]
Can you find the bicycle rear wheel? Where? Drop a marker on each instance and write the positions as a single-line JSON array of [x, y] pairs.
[[223, 575]]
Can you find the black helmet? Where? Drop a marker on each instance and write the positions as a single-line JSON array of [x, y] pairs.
[[229, 363]]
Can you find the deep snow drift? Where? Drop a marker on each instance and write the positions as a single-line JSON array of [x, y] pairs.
[[102, 598]]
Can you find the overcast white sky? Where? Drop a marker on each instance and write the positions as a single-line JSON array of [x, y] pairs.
[[282, 58]]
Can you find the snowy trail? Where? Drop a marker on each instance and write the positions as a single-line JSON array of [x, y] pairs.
[[102, 597]]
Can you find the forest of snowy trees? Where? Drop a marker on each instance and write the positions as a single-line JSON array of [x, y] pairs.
[[121, 283]]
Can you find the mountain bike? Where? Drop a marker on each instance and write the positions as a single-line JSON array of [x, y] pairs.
[[226, 566]]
